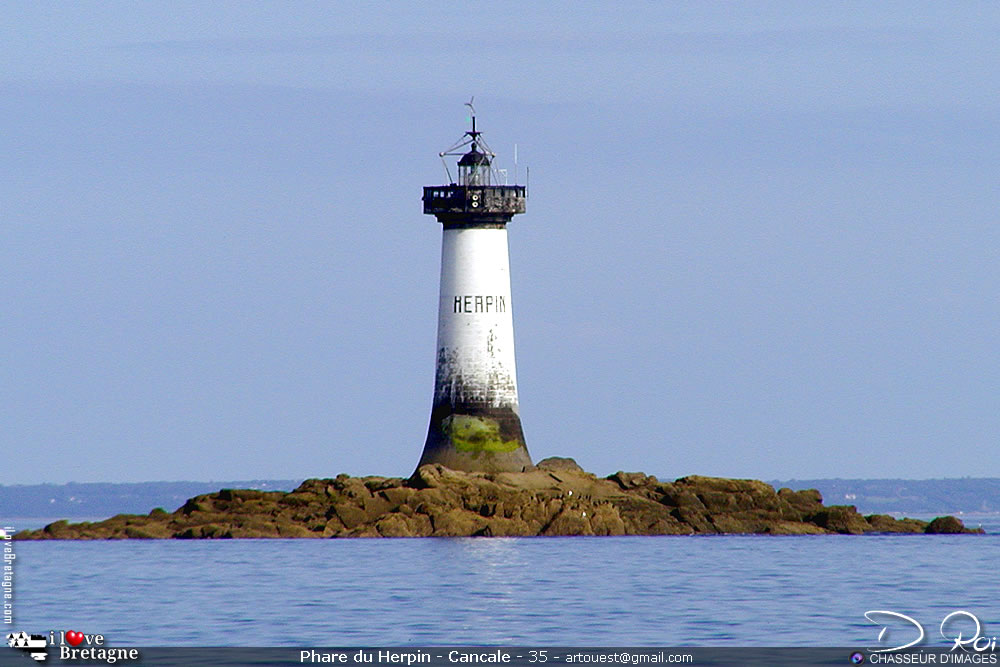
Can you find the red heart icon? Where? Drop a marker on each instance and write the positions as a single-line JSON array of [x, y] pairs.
[[74, 638]]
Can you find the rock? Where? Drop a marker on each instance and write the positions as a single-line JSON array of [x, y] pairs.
[[841, 519], [607, 521], [394, 525], [805, 502], [290, 529], [148, 532], [697, 519], [398, 495], [883, 523], [792, 528], [196, 504], [58, 530], [677, 496], [559, 463], [731, 525], [427, 476], [949, 525], [350, 515], [555, 498], [571, 520], [630, 480], [456, 523]]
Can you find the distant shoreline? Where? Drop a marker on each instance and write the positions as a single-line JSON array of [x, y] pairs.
[[75, 500]]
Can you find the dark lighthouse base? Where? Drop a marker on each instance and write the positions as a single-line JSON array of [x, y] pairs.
[[476, 439]]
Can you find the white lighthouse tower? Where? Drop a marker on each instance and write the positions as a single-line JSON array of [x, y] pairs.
[[475, 424]]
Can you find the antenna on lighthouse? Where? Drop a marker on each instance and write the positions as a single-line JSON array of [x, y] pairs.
[[472, 112]]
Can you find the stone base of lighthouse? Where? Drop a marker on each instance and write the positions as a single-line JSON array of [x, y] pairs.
[[476, 439]]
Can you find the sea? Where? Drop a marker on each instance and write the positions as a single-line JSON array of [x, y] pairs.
[[558, 591]]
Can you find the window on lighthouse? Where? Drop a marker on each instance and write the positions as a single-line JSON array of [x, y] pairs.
[[474, 168], [476, 174]]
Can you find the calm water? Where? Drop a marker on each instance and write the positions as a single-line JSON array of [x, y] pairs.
[[732, 590]]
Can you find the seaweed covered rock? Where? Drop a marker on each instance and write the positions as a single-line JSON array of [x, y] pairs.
[[557, 497], [945, 525]]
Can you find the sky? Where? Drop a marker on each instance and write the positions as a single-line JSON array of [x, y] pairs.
[[761, 238]]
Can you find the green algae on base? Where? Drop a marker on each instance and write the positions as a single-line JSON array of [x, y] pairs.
[[476, 434]]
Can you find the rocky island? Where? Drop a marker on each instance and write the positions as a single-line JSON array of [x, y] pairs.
[[556, 498]]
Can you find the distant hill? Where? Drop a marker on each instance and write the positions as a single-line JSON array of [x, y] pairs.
[[870, 496], [101, 499], [923, 496]]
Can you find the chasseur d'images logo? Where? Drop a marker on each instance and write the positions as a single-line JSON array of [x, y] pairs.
[[969, 643]]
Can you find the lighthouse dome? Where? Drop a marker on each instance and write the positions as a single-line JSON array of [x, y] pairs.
[[474, 159]]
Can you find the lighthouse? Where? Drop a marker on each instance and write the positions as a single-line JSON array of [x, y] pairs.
[[475, 423]]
